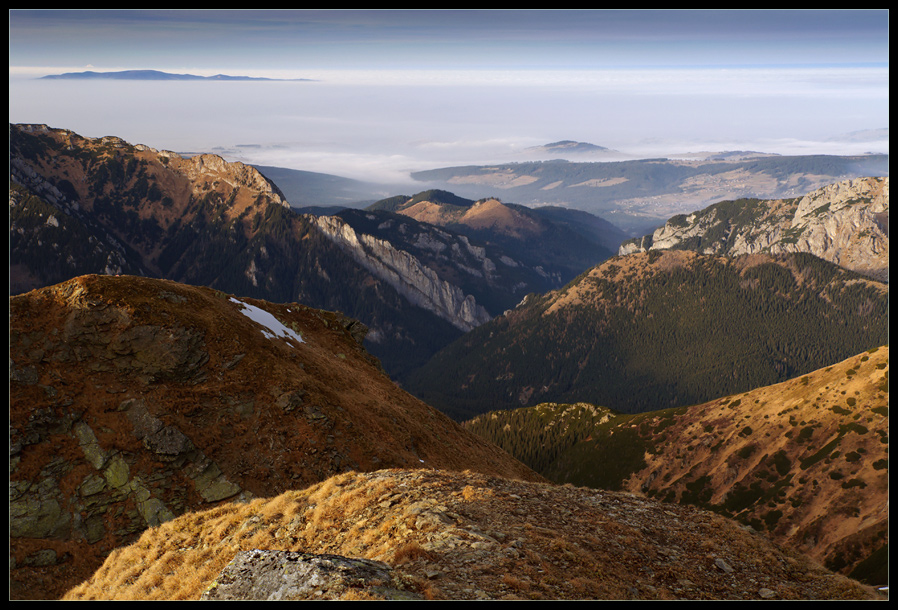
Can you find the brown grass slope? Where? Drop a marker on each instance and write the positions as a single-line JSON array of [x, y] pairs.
[[133, 400], [469, 536], [806, 460], [489, 214]]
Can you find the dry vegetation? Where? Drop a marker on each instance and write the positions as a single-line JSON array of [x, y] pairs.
[[468, 536], [805, 459]]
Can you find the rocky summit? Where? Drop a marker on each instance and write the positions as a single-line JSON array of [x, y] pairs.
[[134, 400], [846, 223]]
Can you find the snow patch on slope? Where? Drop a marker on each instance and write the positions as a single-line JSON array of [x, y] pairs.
[[272, 328]]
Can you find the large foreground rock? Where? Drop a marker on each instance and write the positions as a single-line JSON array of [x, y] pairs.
[[292, 576]]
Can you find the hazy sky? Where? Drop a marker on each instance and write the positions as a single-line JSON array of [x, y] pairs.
[[397, 90]]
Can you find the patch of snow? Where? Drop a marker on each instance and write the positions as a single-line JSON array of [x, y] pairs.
[[272, 328]]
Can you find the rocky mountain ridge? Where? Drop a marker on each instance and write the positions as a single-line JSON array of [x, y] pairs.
[[845, 223], [415, 281], [133, 400], [448, 271]]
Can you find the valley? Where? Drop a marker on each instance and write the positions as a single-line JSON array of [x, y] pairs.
[[198, 369]]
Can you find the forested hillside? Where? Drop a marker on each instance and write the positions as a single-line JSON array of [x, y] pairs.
[[661, 329]]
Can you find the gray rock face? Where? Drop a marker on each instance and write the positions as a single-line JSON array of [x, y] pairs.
[[846, 223], [287, 575], [414, 280]]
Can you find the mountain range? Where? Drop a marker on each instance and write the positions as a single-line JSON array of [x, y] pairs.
[[210, 382], [569, 241], [638, 195], [82, 205], [154, 75]]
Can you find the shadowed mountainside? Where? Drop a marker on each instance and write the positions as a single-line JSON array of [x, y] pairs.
[[660, 329]]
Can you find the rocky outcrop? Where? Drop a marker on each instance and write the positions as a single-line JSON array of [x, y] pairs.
[[411, 278], [236, 175], [846, 223], [293, 576]]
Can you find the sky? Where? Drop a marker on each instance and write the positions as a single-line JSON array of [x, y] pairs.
[[386, 92]]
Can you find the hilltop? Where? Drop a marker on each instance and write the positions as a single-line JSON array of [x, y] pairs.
[[805, 461], [569, 241], [569, 147], [134, 400], [465, 536]]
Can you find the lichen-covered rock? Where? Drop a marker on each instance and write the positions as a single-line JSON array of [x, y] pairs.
[[287, 575]]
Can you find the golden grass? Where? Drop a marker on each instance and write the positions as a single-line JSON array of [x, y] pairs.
[[181, 558], [410, 551], [371, 516]]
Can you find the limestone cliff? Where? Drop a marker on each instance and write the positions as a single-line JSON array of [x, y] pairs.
[[846, 223], [414, 280]]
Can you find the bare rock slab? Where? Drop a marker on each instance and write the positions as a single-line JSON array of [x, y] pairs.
[[289, 575]]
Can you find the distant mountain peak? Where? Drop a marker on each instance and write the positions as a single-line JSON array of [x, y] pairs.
[[570, 146], [154, 75], [575, 144]]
